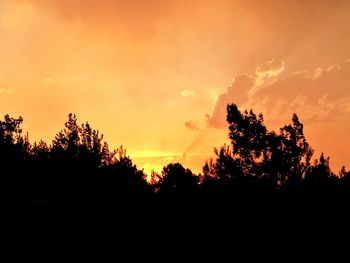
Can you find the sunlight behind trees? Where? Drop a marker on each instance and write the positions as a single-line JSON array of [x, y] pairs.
[[78, 166]]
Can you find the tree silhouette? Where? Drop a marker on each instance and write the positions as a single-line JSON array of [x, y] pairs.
[[260, 160], [319, 178], [296, 153], [78, 166], [175, 179], [225, 174], [121, 176], [13, 145], [80, 143], [14, 158]]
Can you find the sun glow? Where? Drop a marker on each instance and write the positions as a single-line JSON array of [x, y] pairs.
[[153, 161], [149, 75]]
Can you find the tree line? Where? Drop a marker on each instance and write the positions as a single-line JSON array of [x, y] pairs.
[[78, 165]]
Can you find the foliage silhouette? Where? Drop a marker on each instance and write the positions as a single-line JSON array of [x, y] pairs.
[[260, 160], [78, 166], [175, 179]]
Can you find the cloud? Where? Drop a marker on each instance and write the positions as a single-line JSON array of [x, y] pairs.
[[320, 94], [237, 92], [270, 68], [242, 88], [187, 92], [266, 70], [6, 91], [193, 125], [317, 95]]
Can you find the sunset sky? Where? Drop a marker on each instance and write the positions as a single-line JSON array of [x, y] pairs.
[[156, 76]]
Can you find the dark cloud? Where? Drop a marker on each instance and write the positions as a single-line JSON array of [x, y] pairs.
[[193, 125]]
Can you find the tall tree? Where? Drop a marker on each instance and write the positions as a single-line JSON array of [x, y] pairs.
[[176, 179]]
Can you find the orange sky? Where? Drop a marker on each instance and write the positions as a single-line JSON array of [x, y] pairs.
[[146, 73]]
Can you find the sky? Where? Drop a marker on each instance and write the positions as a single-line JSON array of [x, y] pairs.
[[156, 76]]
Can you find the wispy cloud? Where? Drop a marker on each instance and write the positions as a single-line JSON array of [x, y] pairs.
[[267, 70], [270, 68], [193, 125], [187, 92]]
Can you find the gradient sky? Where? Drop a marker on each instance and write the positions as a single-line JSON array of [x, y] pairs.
[[155, 76]]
